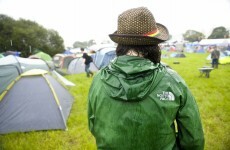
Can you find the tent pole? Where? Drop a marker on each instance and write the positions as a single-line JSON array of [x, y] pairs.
[[56, 99]]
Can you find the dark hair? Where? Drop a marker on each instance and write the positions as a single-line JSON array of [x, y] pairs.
[[82, 49], [151, 52]]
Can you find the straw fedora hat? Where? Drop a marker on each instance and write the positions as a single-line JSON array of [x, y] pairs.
[[137, 26]]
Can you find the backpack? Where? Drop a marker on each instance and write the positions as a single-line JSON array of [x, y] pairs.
[[90, 59]]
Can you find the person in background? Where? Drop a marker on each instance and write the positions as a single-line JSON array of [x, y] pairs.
[[87, 60], [137, 103], [215, 55]]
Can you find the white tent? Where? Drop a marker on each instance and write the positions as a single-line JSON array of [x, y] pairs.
[[218, 42], [76, 50], [77, 66], [100, 46]]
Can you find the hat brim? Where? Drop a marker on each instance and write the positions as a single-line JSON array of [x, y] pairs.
[[132, 39]]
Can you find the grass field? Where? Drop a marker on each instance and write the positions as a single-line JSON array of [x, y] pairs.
[[212, 95]]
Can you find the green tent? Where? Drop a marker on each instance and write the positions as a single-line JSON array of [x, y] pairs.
[[42, 55], [1, 56], [224, 60]]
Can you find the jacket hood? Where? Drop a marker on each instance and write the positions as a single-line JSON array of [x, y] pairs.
[[130, 78]]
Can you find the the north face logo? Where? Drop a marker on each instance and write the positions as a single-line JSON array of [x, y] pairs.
[[166, 96]]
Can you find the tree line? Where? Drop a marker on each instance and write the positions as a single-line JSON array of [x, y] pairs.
[[26, 36], [217, 33]]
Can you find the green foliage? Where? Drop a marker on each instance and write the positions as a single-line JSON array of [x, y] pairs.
[[54, 43], [25, 36], [193, 36], [219, 33], [80, 44], [91, 42], [84, 44], [212, 95], [6, 31]]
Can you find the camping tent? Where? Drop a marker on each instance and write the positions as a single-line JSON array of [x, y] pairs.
[[200, 49], [12, 66], [100, 46], [57, 59], [177, 55], [224, 58], [66, 61], [62, 60], [77, 66], [76, 50], [1, 56], [25, 64], [221, 55], [41, 55], [103, 56], [218, 42], [226, 52], [15, 53], [35, 101], [67, 52], [7, 74]]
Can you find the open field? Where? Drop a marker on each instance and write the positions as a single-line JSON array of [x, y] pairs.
[[212, 95]]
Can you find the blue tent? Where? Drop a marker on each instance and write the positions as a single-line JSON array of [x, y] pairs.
[[14, 53], [103, 56], [200, 50], [67, 52]]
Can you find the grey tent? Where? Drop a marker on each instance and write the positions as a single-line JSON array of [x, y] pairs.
[[177, 55], [12, 66], [77, 66], [103, 56], [62, 60], [24, 64], [34, 101], [7, 74], [57, 59]]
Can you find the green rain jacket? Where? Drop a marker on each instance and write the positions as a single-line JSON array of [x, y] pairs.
[[134, 104]]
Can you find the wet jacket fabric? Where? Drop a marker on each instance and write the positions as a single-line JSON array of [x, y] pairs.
[[133, 105]]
